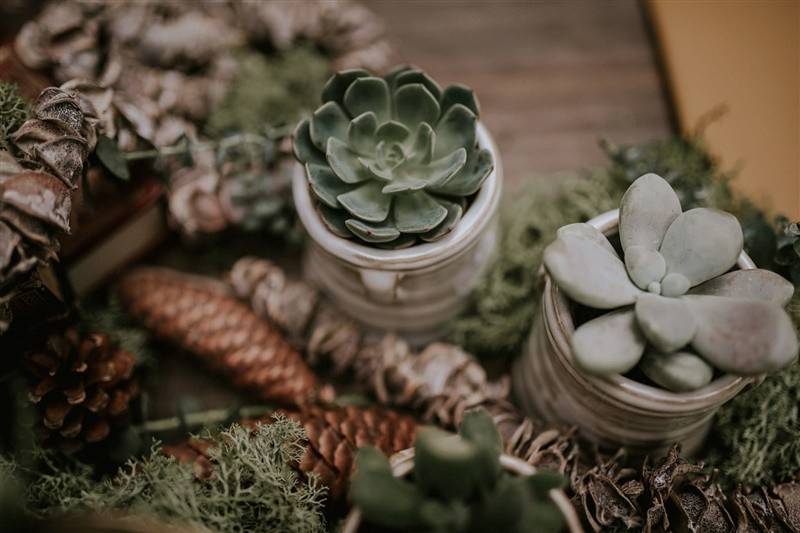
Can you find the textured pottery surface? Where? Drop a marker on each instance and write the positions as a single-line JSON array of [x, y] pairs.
[[414, 291], [403, 463], [614, 410]]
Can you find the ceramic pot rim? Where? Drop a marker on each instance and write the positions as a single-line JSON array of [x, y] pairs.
[[627, 390], [403, 462], [469, 228]]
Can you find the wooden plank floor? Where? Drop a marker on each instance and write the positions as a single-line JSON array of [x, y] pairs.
[[552, 77]]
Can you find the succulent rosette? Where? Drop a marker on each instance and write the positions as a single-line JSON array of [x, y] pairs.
[[392, 161], [676, 308]]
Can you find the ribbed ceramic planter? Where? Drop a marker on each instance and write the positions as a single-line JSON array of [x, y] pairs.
[[614, 411], [414, 291], [403, 463]]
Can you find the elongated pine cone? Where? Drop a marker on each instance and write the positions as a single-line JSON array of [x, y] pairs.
[[333, 437], [199, 316], [83, 386]]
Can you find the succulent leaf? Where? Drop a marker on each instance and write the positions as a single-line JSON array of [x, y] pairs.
[[455, 130], [454, 213], [368, 95], [646, 211], [754, 284], [346, 164], [336, 87], [445, 464], [418, 212], [410, 76], [361, 133], [701, 244], [304, 149], [678, 371], [367, 202], [459, 94], [414, 104], [399, 168], [668, 323], [375, 233], [582, 229], [609, 344], [326, 122]]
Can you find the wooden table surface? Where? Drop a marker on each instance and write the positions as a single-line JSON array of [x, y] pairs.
[[552, 77]]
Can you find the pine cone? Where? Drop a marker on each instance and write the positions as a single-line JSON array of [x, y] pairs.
[[83, 386], [334, 436], [200, 316]]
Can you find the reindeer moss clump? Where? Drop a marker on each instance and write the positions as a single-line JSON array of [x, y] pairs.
[[253, 487], [273, 90], [13, 111]]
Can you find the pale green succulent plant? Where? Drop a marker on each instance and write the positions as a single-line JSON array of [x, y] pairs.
[[392, 160], [677, 307]]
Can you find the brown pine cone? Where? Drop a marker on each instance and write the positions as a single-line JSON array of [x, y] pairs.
[[334, 435], [200, 316], [83, 386]]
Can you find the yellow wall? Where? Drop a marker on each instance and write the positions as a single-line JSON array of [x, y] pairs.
[[745, 55]]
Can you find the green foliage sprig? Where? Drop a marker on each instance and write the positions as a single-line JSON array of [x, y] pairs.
[[14, 111], [253, 488], [458, 486]]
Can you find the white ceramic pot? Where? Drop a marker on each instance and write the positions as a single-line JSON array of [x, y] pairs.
[[614, 411], [416, 291], [403, 463]]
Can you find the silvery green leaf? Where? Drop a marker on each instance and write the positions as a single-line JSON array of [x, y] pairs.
[[337, 85], [381, 232], [454, 213], [361, 133], [582, 229], [677, 372], [609, 344], [469, 179], [405, 240], [674, 285], [404, 182], [111, 157], [334, 220], [304, 149], [459, 94], [701, 244], [346, 164], [417, 212], [668, 323], [755, 284], [588, 273], [644, 266], [367, 202], [326, 122], [647, 209], [391, 77], [455, 130], [412, 178], [414, 104], [415, 76], [368, 94], [383, 174], [392, 132], [325, 185], [743, 337], [422, 148]]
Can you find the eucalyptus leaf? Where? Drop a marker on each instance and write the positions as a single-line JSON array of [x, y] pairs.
[[112, 158]]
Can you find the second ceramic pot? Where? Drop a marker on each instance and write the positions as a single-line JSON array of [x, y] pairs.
[[614, 411], [416, 291]]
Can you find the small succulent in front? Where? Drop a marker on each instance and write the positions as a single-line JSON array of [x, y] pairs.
[[677, 310], [458, 485], [392, 161]]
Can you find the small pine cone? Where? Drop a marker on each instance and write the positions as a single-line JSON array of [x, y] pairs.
[[83, 386], [200, 316], [333, 437]]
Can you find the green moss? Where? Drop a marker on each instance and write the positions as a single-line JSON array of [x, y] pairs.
[[503, 306], [270, 90], [253, 487], [13, 111]]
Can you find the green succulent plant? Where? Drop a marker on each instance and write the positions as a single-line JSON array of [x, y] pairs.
[[458, 486], [392, 160]]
